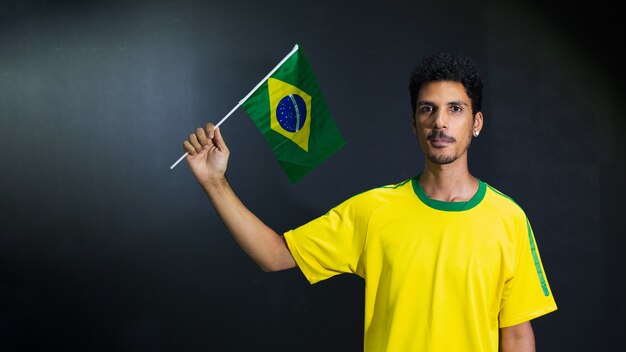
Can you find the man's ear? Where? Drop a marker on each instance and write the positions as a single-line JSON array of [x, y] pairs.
[[478, 123]]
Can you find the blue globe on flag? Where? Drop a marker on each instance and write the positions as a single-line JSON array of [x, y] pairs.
[[291, 113]]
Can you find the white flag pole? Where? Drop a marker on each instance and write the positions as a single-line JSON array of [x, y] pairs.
[[295, 48]]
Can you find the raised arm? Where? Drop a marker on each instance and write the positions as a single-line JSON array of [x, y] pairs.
[[208, 159]]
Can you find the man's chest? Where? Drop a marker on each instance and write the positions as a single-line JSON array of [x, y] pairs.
[[457, 246]]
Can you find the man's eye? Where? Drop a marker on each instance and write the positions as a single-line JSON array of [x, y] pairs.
[[426, 108], [456, 108]]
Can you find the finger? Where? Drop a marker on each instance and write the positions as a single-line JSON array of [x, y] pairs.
[[201, 136], [218, 140], [193, 139], [209, 130], [189, 148]]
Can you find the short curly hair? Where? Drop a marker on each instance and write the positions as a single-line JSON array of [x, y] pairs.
[[448, 67]]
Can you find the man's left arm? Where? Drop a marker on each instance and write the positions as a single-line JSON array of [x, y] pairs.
[[517, 338], [526, 294]]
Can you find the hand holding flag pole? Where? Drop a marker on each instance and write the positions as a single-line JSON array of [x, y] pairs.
[[295, 48]]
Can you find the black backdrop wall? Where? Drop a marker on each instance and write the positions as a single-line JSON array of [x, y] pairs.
[[103, 248]]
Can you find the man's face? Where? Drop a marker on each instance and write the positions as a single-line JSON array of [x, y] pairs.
[[443, 121]]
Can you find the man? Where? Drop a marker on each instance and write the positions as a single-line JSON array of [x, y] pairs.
[[450, 263]]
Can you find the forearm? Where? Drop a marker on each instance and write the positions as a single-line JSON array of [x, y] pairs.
[[257, 240], [517, 338]]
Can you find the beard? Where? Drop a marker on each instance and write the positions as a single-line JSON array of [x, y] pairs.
[[442, 159]]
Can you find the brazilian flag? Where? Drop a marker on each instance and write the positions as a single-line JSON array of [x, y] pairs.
[[288, 108]]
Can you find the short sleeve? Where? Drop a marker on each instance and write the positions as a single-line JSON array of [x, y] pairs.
[[331, 244], [527, 294]]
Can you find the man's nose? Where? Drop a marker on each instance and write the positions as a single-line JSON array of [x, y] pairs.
[[440, 119]]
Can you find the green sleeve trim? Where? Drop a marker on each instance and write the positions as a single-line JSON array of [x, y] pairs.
[[533, 250], [449, 206], [533, 247]]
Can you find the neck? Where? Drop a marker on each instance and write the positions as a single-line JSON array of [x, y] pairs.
[[450, 182]]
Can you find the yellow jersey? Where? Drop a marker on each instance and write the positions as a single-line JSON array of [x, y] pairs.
[[439, 276]]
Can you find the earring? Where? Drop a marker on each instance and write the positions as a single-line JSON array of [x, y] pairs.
[[475, 133]]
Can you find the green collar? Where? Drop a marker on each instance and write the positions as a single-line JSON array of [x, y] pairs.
[[449, 206]]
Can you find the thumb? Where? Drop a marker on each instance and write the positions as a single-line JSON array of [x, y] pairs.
[[218, 140]]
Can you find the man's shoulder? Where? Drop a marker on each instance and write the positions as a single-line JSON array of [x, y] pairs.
[[382, 195], [386, 191], [504, 203]]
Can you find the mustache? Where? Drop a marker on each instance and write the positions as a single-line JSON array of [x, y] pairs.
[[440, 135]]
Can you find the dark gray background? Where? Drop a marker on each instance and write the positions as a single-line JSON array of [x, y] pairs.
[[103, 248]]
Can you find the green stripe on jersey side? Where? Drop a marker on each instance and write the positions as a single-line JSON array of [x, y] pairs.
[[533, 250], [533, 247]]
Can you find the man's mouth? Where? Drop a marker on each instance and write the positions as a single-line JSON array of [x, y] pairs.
[[440, 139], [439, 142]]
